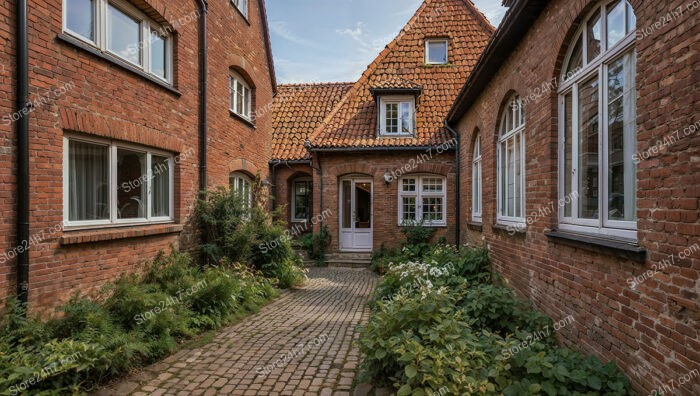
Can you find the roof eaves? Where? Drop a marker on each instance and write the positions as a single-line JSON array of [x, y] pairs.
[[516, 23], [268, 46]]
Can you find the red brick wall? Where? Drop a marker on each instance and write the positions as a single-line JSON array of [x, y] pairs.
[[650, 331], [106, 100], [234, 43], [385, 210]]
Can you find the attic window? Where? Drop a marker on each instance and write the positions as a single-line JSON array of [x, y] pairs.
[[436, 52], [397, 116]]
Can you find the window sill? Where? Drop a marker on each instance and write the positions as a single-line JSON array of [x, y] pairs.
[[510, 229], [472, 225], [100, 235], [242, 119], [623, 248], [68, 39], [427, 225]]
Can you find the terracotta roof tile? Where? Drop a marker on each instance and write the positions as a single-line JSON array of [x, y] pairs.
[[297, 110], [352, 123]]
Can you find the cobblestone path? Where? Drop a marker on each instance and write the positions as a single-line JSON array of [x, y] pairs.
[[314, 327]]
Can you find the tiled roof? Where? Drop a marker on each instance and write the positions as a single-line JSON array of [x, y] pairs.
[[394, 82], [352, 123], [297, 110]]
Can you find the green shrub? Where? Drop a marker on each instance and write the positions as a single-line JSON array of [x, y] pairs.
[[238, 233], [418, 238], [439, 324], [316, 244]]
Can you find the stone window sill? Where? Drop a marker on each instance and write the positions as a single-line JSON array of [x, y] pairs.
[[111, 234], [475, 226], [511, 230], [618, 247]]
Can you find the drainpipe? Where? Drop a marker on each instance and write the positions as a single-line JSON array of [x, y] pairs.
[[203, 96], [457, 194], [23, 107]]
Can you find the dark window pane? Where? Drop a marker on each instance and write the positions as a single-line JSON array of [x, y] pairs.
[[160, 181], [589, 127], [594, 38], [88, 182], [132, 182]]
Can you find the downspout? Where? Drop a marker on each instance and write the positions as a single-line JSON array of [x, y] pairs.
[[457, 187], [203, 96], [23, 107], [273, 176]]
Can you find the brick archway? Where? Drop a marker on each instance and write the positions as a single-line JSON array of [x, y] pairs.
[[242, 165]]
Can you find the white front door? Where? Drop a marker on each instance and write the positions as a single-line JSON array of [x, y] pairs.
[[356, 214]]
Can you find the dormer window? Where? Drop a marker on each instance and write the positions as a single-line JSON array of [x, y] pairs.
[[397, 116], [436, 51]]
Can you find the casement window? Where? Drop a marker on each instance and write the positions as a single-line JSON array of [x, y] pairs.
[[422, 198], [242, 6], [511, 163], [476, 181], [397, 116], [436, 51], [597, 125], [301, 199], [121, 30], [107, 183], [242, 185], [241, 96]]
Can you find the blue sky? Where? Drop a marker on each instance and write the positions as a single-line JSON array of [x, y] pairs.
[[335, 40]]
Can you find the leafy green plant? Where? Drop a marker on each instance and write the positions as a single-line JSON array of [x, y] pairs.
[[418, 238], [316, 244]]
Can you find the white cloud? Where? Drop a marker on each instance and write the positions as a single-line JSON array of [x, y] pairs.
[[280, 28], [358, 35]]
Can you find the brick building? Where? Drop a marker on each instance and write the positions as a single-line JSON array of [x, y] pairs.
[[580, 172], [114, 130], [378, 148]]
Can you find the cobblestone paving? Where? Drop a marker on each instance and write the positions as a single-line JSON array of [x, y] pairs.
[[315, 326]]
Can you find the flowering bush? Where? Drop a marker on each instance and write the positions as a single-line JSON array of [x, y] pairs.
[[437, 327]]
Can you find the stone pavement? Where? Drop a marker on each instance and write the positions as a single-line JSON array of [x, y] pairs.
[[314, 327]]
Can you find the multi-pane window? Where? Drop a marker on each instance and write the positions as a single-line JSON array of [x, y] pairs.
[[511, 163], [241, 184], [597, 123], [476, 181], [422, 198], [436, 51], [301, 199], [109, 183], [118, 28], [242, 6], [397, 115], [240, 96]]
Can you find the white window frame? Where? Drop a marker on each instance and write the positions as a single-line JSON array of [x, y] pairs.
[[113, 204], [234, 179], [237, 82], [399, 100], [419, 194], [294, 198], [427, 50], [591, 68], [516, 110], [477, 186], [242, 6], [147, 25]]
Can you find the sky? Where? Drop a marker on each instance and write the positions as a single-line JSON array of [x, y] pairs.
[[335, 40]]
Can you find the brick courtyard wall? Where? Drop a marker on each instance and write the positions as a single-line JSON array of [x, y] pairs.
[[103, 99], [385, 198], [650, 331]]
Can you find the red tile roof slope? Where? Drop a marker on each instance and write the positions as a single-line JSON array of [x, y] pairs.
[[297, 110], [352, 123]]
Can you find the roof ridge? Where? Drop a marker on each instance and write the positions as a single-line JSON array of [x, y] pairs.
[[480, 15], [370, 68]]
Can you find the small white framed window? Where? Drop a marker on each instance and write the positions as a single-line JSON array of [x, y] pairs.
[[242, 185], [241, 96], [436, 51], [242, 6], [511, 163], [120, 29], [423, 198], [476, 181], [597, 125], [302, 189], [108, 183], [397, 116]]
